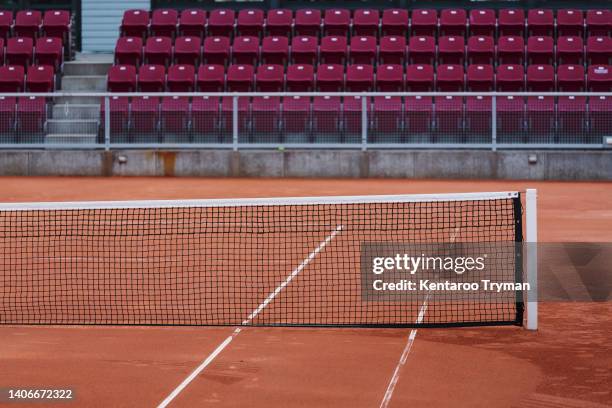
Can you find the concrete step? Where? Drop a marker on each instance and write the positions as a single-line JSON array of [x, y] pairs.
[[76, 111], [77, 100], [72, 126], [63, 139], [94, 56], [89, 64], [84, 83]]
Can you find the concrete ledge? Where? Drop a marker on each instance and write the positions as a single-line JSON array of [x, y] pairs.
[[441, 164]]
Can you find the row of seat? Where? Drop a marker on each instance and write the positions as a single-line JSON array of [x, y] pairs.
[[456, 21], [359, 78], [22, 116], [33, 24], [364, 50], [21, 51], [334, 115], [39, 78]]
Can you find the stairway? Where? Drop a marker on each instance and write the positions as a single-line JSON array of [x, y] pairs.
[[75, 120]]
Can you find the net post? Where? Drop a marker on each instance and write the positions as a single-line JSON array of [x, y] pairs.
[[364, 123], [106, 123], [531, 218], [494, 123], [235, 123]]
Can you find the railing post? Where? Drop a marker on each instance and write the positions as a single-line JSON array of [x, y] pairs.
[[235, 123], [494, 123], [106, 123], [364, 123]]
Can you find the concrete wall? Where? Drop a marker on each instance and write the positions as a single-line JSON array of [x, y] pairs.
[[444, 164]]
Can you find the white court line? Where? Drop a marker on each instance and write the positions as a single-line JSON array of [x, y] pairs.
[[395, 377], [253, 314]]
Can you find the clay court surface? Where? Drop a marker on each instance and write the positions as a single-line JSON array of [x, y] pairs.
[[567, 363]]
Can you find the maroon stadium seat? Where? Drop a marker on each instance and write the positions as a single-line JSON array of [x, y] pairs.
[[308, 22], [240, 78], [128, 51], [221, 22], [330, 78], [482, 22], [135, 23], [31, 114], [540, 50], [600, 110], [181, 78], [394, 22], [540, 118], [275, 50], [122, 78], [205, 117], [158, 50], [20, 51], [450, 78], [363, 50], [481, 50], [304, 50], [40, 78], [570, 50], [56, 23], [192, 23], [360, 78], [216, 50], [145, 115], [540, 78], [152, 78], [540, 22], [424, 22], [599, 50], [333, 50], [6, 22], [187, 50], [175, 114], [250, 22], [510, 78], [211, 78], [570, 23], [388, 117], [227, 109], [365, 22], [119, 115], [300, 78], [7, 114], [296, 114], [511, 22], [279, 22], [449, 117], [510, 117], [326, 114], [390, 78], [270, 78], [49, 52], [164, 23], [478, 118], [245, 50], [599, 78], [422, 50], [451, 50], [419, 78], [265, 113], [480, 78], [599, 22], [570, 78], [511, 50], [352, 109], [419, 115], [28, 23], [453, 22], [392, 50], [12, 78], [336, 22], [571, 118]]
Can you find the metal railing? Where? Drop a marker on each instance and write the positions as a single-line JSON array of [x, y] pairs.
[[459, 120]]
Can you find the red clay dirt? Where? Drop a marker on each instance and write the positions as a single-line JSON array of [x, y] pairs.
[[566, 363]]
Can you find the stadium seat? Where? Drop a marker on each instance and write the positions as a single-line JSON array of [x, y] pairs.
[[337, 22], [570, 78], [570, 50], [6, 22], [482, 22], [419, 78], [599, 50], [481, 50], [31, 115], [270, 78], [308, 22], [175, 116], [333, 50], [478, 118], [164, 23], [540, 78], [600, 111], [540, 50], [540, 119], [128, 51], [158, 50], [352, 109], [145, 117], [422, 50], [181, 78], [56, 23], [119, 116], [187, 50], [424, 22], [511, 50], [135, 23], [571, 119], [480, 78], [599, 78], [226, 122], [451, 50], [49, 52], [453, 22], [510, 119], [20, 51], [205, 118], [221, 23], [296, 118], [449, 118], [540, 22], [250, 22], [211, 78], [40, 78], [152, 78], [27, 23], [304, 50], [392, 50], [279, 22], [419, 117], [365, 22], [510, 78], [511, 22], [599, 23], [570, 23], [275, 50], [300, 78], [266, 115], [363, 50], [122, 78], [1, 51], [192, 23], [387, 119], [245, 50], [390, 78], [394, 22], [7, 115], [326, 116], [360, 78], [240, 78], [12, 78], [330, 78], [450, 78], [216, 50]]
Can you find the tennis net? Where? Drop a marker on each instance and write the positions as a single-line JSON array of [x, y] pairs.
[[259, 262]]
